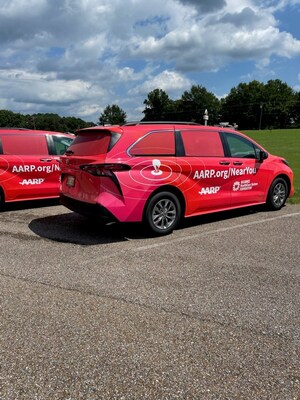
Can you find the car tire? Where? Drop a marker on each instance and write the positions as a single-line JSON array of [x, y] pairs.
[[278, 194], [2, 199], [162, 213]]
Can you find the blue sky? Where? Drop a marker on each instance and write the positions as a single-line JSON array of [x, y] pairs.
[[74, 57]]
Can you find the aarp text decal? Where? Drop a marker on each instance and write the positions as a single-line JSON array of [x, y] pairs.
[[223, 173]]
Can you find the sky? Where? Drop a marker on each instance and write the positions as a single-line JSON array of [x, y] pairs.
[[75, 57]]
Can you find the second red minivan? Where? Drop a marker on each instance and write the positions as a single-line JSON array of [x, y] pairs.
[[30, 163]]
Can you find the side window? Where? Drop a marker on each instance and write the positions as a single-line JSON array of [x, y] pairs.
[[202, 143], [241, 147], [24, 144], [61, 144], [155, 144]]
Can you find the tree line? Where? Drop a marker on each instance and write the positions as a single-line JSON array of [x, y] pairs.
[[49, 121], [253, 105]]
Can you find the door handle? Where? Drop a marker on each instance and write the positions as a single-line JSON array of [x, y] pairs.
[[224, 162], [46, 159], [237, 163]]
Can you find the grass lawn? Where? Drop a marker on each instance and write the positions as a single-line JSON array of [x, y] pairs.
[[284, 143]]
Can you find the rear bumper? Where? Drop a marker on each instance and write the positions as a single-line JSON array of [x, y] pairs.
[[87, 209]]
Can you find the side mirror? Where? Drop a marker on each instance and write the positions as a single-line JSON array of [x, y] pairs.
[[263, 155]]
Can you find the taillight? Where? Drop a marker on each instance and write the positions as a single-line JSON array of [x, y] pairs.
[[104, 169]]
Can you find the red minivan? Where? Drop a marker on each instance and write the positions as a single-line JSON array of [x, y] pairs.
[[30, 163], [160, 172]]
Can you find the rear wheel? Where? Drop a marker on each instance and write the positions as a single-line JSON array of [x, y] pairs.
[[162, 213], [2, 200], [278, 194]]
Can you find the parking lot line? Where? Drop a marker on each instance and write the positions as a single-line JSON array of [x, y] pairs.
[[214, 231]]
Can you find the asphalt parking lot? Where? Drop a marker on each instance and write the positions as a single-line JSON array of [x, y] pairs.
[[103, 312]]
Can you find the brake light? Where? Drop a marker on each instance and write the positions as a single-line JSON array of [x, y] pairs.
[[104, 169]]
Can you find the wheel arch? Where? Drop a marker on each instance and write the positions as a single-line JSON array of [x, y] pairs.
[[286, 179], [171, 189]]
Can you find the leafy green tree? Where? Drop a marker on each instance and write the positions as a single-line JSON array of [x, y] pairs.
[[194, 102], [113, 115], [9, 119], [159, 107], [243, 105], [296, 112], [279, 105], [50, 122], [255, 105], [71, 124]]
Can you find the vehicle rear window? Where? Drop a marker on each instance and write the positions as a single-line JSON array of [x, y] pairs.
[[24, 144], [155, 144], [202, 143], [92, 143]]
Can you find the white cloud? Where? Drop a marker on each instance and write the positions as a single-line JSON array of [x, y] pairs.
[[207, 44], [34, 87], [169, 81], [34, 92], [278, 5], [16, 8]]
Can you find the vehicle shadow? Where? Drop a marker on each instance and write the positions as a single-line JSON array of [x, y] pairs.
[[25, 205], [73, 228]]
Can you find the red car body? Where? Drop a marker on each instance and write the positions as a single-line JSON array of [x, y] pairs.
[[159, 172], [30, 163]]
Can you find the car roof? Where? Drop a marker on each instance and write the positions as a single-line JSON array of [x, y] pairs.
[[31, 131], [136, 129]]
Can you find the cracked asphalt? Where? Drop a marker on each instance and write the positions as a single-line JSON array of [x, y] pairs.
[[103, 312]]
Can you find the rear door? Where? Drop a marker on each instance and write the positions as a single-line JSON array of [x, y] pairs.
[[205, 171]]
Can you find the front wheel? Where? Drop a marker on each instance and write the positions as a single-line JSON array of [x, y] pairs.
[[278, 194], [162, 213]]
